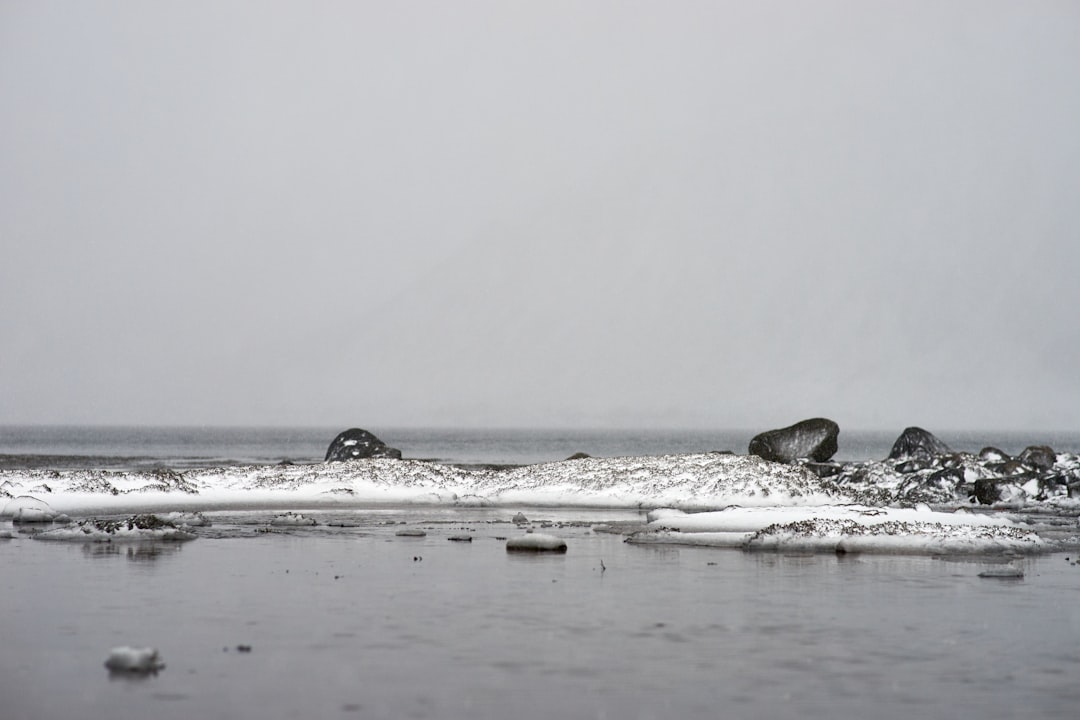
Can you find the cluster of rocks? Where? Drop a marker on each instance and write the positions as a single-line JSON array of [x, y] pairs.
[[919, 468], [922, 468]]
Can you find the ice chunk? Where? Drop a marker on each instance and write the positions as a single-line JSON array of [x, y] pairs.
[[136, 528], [291, 519], [536, 542], [138, 661], [28, 509], [191, 519]]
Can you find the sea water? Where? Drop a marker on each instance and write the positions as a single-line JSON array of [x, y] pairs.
[[70, 447], [357, 621]]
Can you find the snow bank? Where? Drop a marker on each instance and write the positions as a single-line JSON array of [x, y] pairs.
[[703, 481]]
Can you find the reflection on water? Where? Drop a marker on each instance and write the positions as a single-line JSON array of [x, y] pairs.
[[352, 620], [133, 551]]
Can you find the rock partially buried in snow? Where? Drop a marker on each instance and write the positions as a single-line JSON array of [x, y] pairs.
[[814, 438], [357, 444], [536, 542], [133, 660]]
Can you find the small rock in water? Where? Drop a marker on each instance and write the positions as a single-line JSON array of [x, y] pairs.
[[536, 542], [1003, 573], [520, 519], [411, 533], [137, 661], [460, 538]]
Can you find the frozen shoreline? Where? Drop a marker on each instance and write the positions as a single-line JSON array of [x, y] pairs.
[[737, 501]]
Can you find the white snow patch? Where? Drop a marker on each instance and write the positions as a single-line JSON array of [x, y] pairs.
[[703, 481]]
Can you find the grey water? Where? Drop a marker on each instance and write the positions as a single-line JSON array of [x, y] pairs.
[[74, 447], [356, 622]]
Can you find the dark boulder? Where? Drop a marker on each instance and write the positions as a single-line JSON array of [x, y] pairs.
[[992, 454], [1038, 457], [987, 491], [917, 444], [814, 439], [579, 456], [356, 444]]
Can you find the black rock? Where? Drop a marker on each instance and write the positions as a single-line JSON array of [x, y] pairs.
[[917, 444], [987, 491], [356, 444], [579, 456], [1039, 457], [814, 439], [824, 470]]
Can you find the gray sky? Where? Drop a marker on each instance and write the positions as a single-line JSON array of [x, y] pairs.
[[719, 214]]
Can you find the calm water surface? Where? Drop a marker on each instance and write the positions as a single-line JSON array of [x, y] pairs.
[[357, 622]]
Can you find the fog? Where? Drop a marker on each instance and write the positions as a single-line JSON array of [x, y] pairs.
[[684, 214]]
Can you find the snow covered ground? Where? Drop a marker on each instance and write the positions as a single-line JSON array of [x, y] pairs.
[[703, 499]]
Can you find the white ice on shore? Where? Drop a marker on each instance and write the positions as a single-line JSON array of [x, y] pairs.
[[702, 481], [851, 528]]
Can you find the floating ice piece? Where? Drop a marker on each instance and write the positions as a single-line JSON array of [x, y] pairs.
[[137, 661], [135, 528], [536, 542], [752, 519], [27, 509], [915, 538], [191, 519], [1009, 572], [291, 519]]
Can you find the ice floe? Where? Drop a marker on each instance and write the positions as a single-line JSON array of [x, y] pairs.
[[291, 519], [28, 509], [133, 529], [851, 528], [134, 660]]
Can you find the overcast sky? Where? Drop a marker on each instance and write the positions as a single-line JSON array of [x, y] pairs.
[[713, 214]]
